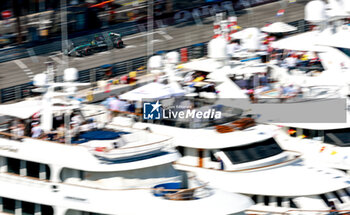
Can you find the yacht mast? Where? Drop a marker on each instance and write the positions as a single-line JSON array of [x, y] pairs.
[[150, 29], [64, 35]]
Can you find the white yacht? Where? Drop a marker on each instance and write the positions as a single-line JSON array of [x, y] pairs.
[[226, 155], [250, 161], [241, 156], [108, 170], [328, 41]]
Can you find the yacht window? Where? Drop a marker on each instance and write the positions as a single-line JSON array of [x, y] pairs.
[[253, 152], [47, 210], [81, 175], [292, 131], [292, 204], [28, 208], [8, 205], [338, 197], [181, 150], [212, 156], [279, 201], [33, 169], [13, 165], [266, 200], [345, 51], [324, 198], [346, 191], [308, 133], [339, 137], [255, 199]]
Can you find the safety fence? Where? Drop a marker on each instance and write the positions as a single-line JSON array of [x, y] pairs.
[[99, 73], [120, 68]]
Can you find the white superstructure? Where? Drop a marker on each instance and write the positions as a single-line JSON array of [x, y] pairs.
[[108, 170]]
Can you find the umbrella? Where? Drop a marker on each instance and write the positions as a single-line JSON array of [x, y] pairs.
[[278, 27]]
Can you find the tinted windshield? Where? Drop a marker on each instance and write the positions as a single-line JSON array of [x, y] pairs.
[[345, 51], [253, 152], [339, 137]]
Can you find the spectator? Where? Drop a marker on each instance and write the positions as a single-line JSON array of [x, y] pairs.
[[291, 62], [77, 119], [114, 104], [36, 130], [131, 107], [60, 133], [108, 100]]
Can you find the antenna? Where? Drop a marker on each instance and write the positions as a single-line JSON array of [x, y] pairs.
[[150, 29], [64, 35]]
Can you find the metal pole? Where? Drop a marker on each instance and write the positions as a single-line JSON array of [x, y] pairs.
[[150, 29], [64, 34], [67, 135]]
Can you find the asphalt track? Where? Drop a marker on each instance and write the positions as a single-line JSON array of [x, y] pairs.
[[21, 71]]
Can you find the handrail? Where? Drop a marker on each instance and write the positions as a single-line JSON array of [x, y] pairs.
[[320, 211], [127, 112], [26, 137], [294, 210], [99, 188], [25, 176], [148, 144], [253, 168]]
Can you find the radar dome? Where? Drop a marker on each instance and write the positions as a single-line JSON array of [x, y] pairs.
[[40, 80], [70, 74], [315, 11], [217, 48], [155, 62], [173, 57]]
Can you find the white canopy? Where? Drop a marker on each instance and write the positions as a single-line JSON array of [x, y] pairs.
[[206, 65], [278, 27], [300, 42], [22, 110], [153, 91]]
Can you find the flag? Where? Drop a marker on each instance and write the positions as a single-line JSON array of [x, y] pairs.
[[280, 12]]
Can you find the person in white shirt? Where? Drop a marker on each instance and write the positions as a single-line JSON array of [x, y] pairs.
[[123, 105], [36, 130], [77, 119], [233, 47], [291, 62], [115, 105]]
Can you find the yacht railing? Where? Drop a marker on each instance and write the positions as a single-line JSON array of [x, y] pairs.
[[197, 192], [19, 138], [297, 211], [297, 155], [26, 180]]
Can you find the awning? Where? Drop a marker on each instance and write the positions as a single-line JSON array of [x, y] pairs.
[[300, 42], [22, 110], [279, 27]]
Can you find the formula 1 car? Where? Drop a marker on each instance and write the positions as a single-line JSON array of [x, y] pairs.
[[98, 44]]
